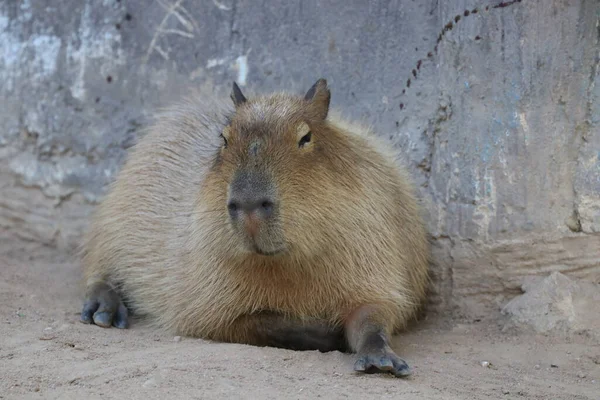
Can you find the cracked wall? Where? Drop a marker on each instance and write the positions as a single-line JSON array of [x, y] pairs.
[[494, 105]]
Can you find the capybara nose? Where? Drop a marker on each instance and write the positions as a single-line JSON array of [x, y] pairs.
[[261, 207]]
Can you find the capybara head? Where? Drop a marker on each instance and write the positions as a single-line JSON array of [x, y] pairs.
[[279, 158]]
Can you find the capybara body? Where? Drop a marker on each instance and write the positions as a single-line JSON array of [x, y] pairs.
[[265, 221]]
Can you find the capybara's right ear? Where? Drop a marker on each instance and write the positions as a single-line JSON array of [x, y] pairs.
[[319, 95], [237, 96]]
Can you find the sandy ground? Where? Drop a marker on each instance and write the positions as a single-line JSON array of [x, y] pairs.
[[45, 353]]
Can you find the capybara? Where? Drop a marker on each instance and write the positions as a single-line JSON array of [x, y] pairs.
[[266, 221]]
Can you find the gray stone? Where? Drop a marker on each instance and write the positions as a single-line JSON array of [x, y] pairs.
[[499, 127], [556, 305]]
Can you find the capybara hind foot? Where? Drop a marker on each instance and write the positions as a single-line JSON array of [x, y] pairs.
[[377, 356], [103, 307]]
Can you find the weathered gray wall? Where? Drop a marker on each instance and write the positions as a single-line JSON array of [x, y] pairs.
[[500, 128]]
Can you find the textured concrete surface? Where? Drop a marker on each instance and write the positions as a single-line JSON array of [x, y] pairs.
[[499, 124]]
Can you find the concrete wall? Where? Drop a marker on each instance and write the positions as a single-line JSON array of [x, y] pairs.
[[499, 124]]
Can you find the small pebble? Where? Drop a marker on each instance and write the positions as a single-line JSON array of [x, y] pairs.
[[537, 366], [485, 364], [505, 391], [581, 375], [554, 365], [177, 339], [48, 329], [149, 383]]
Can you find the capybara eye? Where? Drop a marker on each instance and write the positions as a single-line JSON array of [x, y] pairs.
[[267, 206], [304, 140], [232, 207]]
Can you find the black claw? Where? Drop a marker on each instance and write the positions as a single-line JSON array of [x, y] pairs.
[[360, 365], [89, 308], [401, 370], [119, 324], [86, 317], [103, 318], [120, 319], [385, 363]]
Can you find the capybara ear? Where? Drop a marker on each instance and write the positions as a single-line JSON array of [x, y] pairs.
[[237, 96], [318, 96]]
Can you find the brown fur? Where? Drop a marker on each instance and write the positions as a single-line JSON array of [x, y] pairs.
[[354, 240]]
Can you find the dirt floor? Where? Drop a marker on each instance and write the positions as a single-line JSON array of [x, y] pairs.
[[45, 353]]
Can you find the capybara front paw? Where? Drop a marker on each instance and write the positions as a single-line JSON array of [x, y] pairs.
[[382, 361], [103, 307]]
